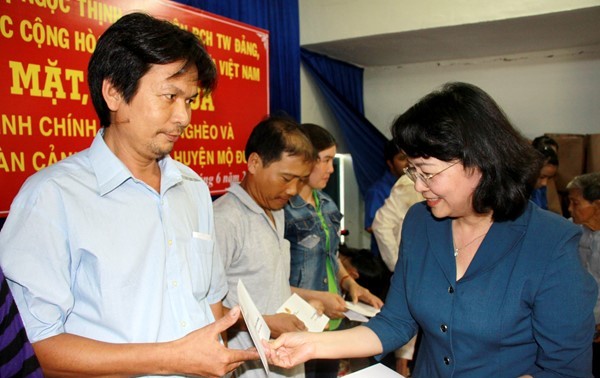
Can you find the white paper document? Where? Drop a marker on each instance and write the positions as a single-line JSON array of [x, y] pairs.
[[257, 327], [355, 316], [295, 305], [362, 308], [375, 371]]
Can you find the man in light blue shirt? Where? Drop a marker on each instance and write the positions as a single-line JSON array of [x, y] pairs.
[[110, 253]]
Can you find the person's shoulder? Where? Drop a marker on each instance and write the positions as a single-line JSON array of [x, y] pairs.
[[229, 206], [190, 176], [417, 216], [224, 201], [551, 224], [65, 172], [326, 196], [185, 170], [419, 210]]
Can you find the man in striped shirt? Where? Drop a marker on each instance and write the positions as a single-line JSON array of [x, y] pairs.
[[16, 354]]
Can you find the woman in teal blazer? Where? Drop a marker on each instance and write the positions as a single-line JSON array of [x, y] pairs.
[[494, 282]]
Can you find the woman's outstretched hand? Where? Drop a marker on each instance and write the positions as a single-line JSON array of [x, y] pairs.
[[290, 349]]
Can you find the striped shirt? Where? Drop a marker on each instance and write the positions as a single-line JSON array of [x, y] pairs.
[[16, 353]]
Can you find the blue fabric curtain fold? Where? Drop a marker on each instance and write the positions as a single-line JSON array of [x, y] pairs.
[[342, 85], [281, 19]]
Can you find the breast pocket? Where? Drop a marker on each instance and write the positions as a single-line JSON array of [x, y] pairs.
[[200, 263]]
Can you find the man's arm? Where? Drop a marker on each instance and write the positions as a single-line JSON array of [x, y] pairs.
[[198, 353], [386, 228]]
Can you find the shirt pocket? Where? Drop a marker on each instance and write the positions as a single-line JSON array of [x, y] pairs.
[[200, 263], [310, 241]]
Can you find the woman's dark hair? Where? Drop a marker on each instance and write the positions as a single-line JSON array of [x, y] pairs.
[[320, 138], [390, 150], [128, 49], [548, 148], [276, 135], [462, 122]]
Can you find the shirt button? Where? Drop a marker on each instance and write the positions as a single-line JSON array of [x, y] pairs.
[[183, 324], [170, 242], [450, 289], [174, 283], [444, 328], [324, 280], [447, 360]]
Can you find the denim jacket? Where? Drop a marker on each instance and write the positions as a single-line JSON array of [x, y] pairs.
[[307, 240]]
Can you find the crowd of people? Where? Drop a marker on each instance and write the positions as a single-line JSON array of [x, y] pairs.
[[119, 263]]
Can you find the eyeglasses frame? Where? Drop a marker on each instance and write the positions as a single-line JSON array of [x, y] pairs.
[[413, 174]]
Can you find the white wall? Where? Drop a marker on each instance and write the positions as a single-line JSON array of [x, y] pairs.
[[556, 92], [331, 20]]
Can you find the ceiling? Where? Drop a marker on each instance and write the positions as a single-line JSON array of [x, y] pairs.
[[563, 30]]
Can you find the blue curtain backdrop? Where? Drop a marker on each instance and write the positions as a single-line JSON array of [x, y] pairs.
[[342, 85], [340, 82], [281, 19]]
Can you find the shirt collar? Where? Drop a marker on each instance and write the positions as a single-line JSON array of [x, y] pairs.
[[111, 172], [237, 190], [297, 202]]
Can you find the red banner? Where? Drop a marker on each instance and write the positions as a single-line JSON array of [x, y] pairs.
[[46, 112]]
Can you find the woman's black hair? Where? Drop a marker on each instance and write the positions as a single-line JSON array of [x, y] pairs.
[[548, 148], [320, 138], [462, 122]]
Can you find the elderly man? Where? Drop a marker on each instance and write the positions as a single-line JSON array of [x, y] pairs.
[[584, 206]]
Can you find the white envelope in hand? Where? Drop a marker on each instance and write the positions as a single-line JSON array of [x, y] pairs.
[[257, 327], [295, 305], [362, 308]]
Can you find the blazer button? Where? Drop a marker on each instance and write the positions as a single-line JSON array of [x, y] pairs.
[[447, 360], [450, 289], [444, 328]]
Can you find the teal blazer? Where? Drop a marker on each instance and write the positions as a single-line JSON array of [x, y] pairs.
[[524, 306]]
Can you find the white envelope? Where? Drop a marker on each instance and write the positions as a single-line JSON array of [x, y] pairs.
[[362, 308], [295, 305], [257, 327], [378, 370]]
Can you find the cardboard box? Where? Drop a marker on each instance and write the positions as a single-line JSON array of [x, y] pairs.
[[593, 153], [571, 157]]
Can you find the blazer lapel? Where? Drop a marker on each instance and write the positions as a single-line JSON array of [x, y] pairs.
[[501, 239], [439, 234]]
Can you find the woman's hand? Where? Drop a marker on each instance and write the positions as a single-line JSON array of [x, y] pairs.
[[290, 349]]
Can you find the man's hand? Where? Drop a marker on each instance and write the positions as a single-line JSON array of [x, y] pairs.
[[202, 353], [197, 353], [281, 323]]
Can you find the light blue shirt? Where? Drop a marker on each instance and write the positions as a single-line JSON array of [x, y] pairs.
[[89, 250], [589, 253]]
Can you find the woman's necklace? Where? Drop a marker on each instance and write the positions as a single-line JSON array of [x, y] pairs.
[[456, 250]]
